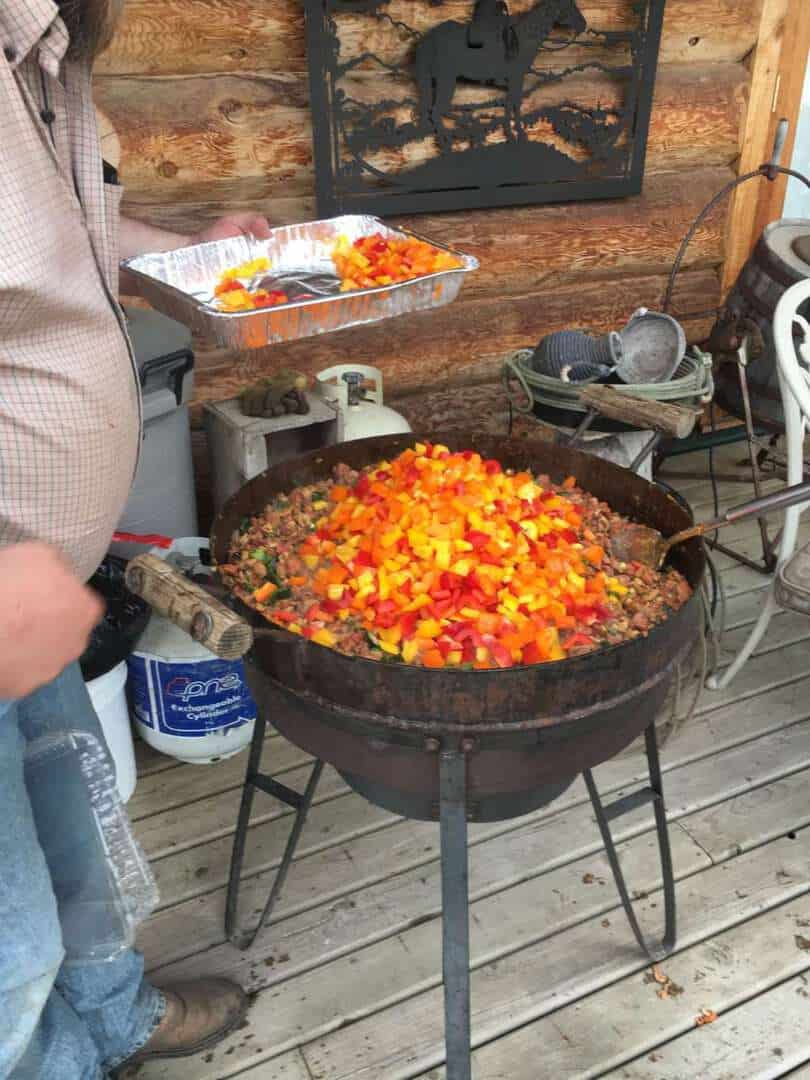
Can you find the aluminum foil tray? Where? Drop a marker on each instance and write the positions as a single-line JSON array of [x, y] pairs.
[[181, 284]]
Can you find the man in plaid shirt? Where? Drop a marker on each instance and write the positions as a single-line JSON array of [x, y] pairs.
[[69, 435]]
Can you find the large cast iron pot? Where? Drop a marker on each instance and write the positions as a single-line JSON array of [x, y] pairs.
[[528, 731]]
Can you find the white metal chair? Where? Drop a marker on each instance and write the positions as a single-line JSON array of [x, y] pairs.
[[790, 586]]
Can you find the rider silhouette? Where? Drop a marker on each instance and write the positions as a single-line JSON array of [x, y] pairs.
[[490, 25]]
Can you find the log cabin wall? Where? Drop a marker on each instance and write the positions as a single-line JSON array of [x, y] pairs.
[[207, 102]]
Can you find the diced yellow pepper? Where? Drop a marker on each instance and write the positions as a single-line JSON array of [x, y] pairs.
[[323, 637], [391, 537], [389, 647], [423, 600], [410, 650], [311, 561], [334, 592], [428, 628], [443, 554]]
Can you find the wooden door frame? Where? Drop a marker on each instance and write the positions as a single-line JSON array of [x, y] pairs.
[[777, 66]]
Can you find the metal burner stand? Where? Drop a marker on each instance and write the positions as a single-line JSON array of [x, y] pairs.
[[453, 815]]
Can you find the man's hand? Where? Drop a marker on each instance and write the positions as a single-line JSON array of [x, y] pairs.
[[247, 224], [46, 617]]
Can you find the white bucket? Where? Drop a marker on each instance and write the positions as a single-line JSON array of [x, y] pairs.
[[620, 447], [109, 699], [186, 702]]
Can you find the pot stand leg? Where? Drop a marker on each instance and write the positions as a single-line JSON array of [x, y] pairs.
[[605, 814], [455, 912], [299, 802]]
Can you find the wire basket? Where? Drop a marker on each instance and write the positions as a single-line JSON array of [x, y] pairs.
[[692, 384]]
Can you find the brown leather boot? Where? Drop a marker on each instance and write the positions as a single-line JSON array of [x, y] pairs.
[[198, 1015]]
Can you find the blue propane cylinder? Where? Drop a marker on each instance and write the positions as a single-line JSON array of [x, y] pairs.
[[184, 700]]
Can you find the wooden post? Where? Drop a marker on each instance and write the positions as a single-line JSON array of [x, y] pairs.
[[777, 72]]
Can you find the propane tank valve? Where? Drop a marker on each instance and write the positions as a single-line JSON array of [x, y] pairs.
[[354, 382]]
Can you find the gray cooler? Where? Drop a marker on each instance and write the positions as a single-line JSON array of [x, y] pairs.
[[162, 498]]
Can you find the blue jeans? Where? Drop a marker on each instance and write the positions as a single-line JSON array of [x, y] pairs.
[[57, 1022]]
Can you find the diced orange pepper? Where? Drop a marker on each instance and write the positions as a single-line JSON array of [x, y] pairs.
[[433, 659], [264, 592]]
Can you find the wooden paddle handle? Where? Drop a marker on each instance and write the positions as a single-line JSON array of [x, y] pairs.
[[669, 419], [188, 606]]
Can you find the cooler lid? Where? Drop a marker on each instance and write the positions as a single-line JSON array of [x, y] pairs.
[[163, 354]]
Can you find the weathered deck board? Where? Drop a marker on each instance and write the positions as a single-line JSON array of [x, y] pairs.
[[628, 1020], [760, 1040]]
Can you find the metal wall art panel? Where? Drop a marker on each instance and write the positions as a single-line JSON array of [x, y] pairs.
[[430, 105]]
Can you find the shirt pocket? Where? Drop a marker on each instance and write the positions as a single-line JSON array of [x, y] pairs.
[[112, 244]]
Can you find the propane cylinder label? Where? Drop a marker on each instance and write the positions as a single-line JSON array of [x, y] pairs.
[[190, 699]]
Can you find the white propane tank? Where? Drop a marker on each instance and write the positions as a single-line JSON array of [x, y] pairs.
[[186, 702], [361, 408]]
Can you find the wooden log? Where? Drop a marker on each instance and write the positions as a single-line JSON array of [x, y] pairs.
[[188, 606], [465, 342], [524, 248], [244, 138], [189, 37], [662, 416]]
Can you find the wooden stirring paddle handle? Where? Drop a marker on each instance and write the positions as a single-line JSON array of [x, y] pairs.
[[188, 606]]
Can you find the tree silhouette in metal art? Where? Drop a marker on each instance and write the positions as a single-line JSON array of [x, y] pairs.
[[481, 110]]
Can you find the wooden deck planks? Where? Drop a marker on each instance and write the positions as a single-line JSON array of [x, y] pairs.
[[409, 959], [597, 1035], [760, 1040]]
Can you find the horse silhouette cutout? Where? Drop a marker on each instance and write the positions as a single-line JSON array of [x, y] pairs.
[[494, 48]]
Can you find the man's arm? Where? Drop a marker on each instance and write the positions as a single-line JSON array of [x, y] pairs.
[[46, 617], [138, 238]]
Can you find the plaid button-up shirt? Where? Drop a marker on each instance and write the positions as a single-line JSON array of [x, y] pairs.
[[69, 399]]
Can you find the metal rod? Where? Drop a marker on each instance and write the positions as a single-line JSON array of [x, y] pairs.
[[645, 451], [584, 424], [654, 950], [742, 363], [242, 821], [455, 912], [760, 567], [289, 852]]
